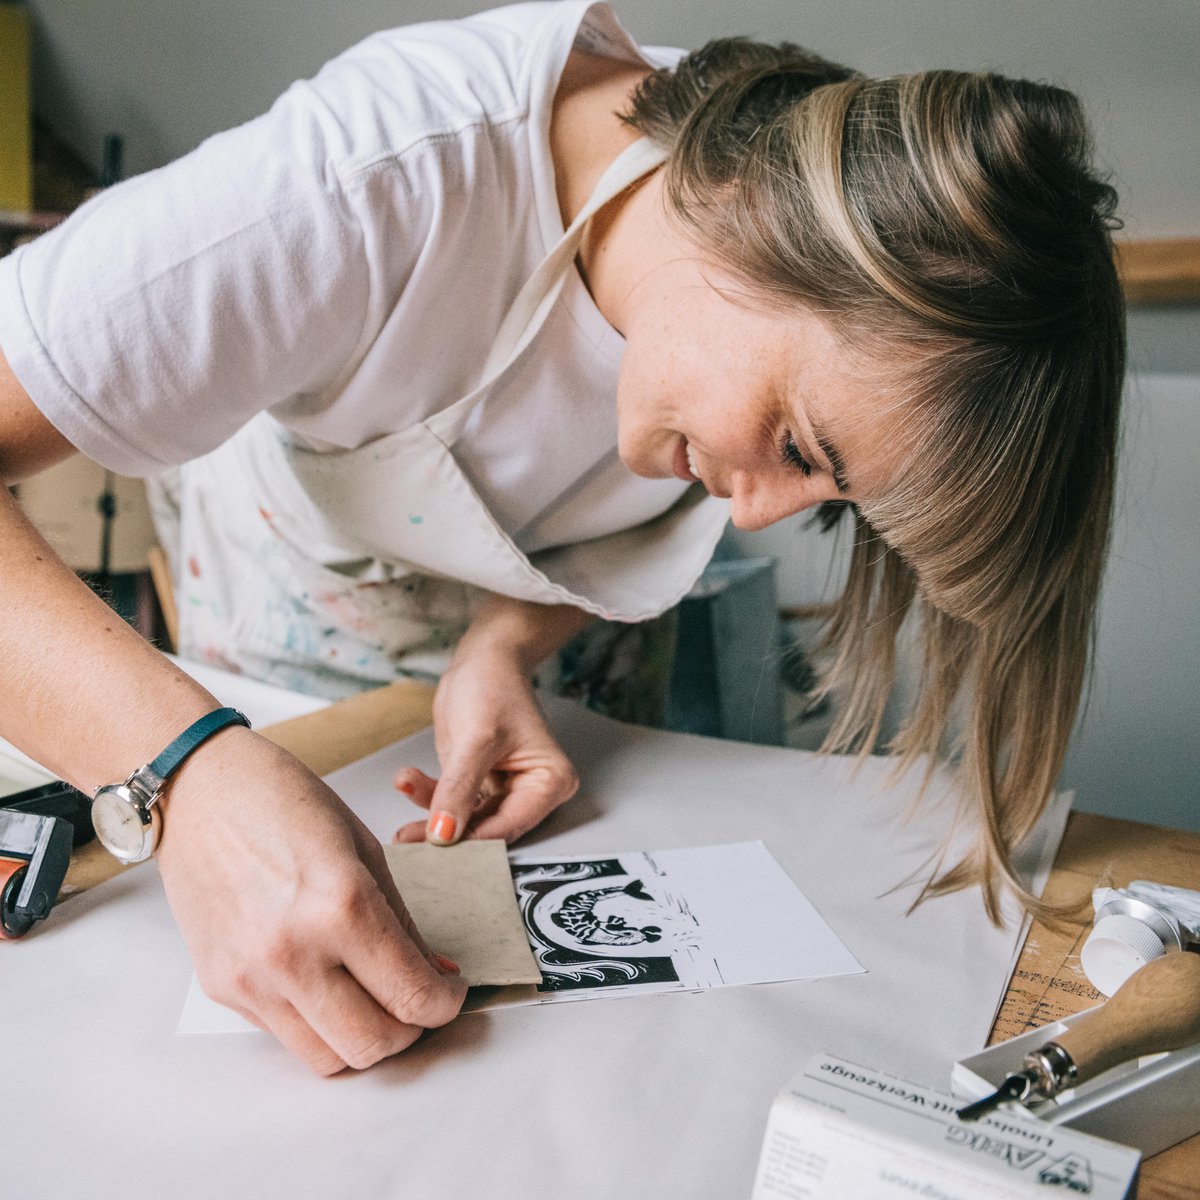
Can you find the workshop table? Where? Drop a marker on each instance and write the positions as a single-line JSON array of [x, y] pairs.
[[1047, 984]]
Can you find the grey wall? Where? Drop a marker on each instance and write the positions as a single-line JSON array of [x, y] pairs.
[[1135, 753], [165, 74]]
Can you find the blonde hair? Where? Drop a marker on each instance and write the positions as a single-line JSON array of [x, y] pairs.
[[953, 222]]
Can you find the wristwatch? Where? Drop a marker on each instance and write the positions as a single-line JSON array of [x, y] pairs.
[[125, 816]]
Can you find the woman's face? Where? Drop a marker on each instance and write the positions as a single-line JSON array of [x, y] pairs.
[[766, 408]]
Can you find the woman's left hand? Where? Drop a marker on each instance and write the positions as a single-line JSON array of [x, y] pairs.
[[502, 771]]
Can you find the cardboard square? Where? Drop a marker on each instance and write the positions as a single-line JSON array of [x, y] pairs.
[[462, 900]]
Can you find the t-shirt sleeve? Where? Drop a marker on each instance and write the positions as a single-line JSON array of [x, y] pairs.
[[172, 308]]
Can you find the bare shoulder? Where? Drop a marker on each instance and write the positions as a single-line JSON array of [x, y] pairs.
[[28, 442], [586, 131]]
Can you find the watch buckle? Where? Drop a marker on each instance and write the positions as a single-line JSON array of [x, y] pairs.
[[146, 784]]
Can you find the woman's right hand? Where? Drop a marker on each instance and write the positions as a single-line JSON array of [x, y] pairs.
[[283, 896], [290, 912]]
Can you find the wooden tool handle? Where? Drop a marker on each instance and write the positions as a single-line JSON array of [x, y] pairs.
[[1156, 1009]]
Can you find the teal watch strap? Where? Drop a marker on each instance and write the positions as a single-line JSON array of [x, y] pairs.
[[127, 815], [193, 736]]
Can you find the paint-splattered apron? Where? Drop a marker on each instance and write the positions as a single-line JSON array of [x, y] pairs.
[[326, 571]]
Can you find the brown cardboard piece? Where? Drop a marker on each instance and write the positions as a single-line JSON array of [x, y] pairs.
[[462, 900]]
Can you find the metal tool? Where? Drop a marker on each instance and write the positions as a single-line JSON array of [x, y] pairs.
[[1157, 1009], [35, 852]]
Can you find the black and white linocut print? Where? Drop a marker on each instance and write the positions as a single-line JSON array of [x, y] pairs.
[[610, 923]]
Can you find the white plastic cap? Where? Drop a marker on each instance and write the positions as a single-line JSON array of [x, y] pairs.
[[1116, 947]]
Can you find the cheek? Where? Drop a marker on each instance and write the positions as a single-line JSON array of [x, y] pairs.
[[663, 385], [634, 415], [643, 390], [628, 402], [728, 423]]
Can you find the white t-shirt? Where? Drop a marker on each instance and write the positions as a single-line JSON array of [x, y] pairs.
[[344, 262]]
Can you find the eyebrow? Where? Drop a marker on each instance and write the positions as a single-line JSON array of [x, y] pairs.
[[837, 464]]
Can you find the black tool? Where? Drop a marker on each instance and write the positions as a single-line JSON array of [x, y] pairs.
[[35, 852], [56, 799], [1157, 1009], [1045, 1073]]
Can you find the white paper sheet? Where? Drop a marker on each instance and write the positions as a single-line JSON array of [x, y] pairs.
[[650, 1097], [19, 773], [674, 920], [603, 926]]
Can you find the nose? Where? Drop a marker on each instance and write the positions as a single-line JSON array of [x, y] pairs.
[[755, 504]]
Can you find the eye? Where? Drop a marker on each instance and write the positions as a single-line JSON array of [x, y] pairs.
[[791, 456]]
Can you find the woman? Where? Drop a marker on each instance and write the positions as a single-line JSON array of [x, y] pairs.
[[389, 370]]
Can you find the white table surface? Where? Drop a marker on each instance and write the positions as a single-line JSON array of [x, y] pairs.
[[656, 1096]]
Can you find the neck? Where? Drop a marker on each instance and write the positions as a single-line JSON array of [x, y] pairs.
[[622, 245], [586, 134]]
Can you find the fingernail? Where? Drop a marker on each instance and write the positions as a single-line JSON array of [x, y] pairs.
[[445, 963], [442, 827], [406, 788]]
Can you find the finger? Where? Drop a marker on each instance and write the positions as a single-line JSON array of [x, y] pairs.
[[344, 1026], [466, 779], [294, 1034], [351, 1022], [529, 802], [490, 796], [407, 939], [372, 1004], [371, 853], [416, 785], [414, 831], [297, 1037], [390, 966]]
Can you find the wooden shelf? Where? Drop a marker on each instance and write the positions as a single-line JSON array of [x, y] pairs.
[[1160, 271]]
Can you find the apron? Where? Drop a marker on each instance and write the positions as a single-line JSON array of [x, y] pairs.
[[364, 563]]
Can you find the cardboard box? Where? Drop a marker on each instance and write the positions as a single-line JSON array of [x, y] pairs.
[[840, 1131], [1150, 1103], [64, 503]]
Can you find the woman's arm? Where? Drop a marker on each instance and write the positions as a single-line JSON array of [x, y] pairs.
[[502, 771], [282, 895]]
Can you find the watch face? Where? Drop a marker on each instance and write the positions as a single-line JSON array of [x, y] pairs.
[[119, 824]]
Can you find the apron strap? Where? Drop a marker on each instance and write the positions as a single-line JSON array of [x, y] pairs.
[[534, 301]]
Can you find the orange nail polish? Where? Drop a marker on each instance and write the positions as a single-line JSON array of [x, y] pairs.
[[442, 827], [445, 963], [406, 788]]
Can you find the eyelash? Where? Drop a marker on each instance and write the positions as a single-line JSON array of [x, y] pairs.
[[790, 454]]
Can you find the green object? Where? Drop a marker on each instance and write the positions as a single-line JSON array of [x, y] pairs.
[[16, 139]]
